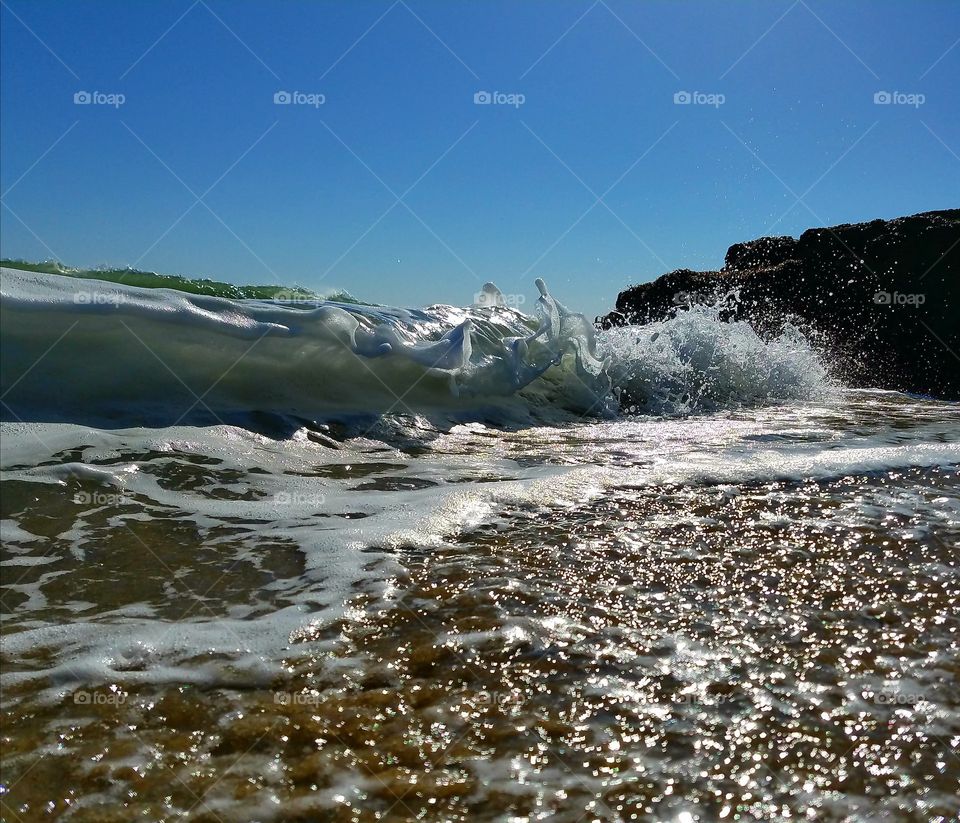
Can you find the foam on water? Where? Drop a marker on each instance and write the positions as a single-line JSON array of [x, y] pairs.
[[346, 509]]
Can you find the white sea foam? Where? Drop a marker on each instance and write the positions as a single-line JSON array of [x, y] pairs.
[[347, 532]]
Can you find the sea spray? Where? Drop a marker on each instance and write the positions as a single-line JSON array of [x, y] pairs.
[[702, 360]]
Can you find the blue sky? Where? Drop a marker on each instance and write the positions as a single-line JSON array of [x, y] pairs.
[[307, 192]]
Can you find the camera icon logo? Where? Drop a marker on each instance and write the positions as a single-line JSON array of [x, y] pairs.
[[882, 298], [882, 98], [282, 98], [682, 98], [482, 98], [82, 98]]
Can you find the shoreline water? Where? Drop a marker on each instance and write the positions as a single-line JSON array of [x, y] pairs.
[[552, 622]]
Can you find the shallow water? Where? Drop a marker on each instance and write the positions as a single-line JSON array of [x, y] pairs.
[[745, 614]]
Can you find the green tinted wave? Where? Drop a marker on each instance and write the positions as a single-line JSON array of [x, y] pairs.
[[152, 280]]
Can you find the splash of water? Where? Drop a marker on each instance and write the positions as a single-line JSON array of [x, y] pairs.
[[699, 360]]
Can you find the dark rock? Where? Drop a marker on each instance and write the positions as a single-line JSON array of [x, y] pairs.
[[767, 251], [882, 298]]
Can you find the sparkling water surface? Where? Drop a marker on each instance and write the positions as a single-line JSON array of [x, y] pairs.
[[749, 614]]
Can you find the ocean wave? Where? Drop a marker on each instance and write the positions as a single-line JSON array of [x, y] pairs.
[[107, 353]]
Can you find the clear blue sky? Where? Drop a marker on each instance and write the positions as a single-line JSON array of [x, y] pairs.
[[499, 192]]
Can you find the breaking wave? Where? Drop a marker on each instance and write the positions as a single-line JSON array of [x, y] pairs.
[[107, 352]]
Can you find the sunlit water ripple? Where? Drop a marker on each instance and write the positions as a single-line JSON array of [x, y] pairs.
[[743, 615]]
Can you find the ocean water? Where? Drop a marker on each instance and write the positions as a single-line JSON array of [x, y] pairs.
[[310, 560]]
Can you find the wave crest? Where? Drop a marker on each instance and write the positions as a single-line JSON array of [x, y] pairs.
[[98, 352]]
